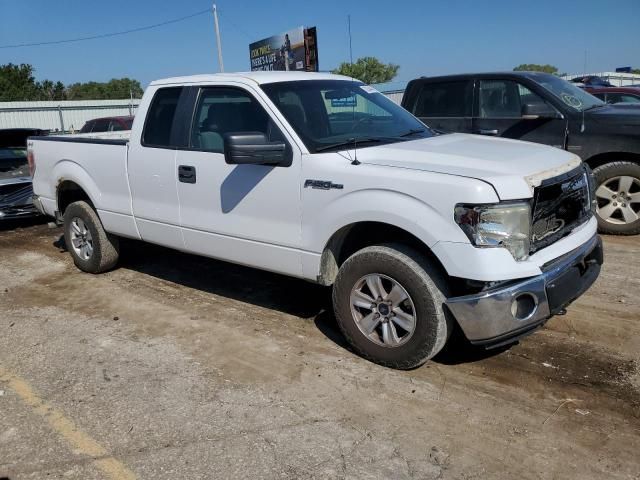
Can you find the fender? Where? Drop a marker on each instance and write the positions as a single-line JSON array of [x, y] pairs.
[[69, 170], [401, 210]]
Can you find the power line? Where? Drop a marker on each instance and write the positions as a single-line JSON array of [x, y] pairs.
[[106, 35]]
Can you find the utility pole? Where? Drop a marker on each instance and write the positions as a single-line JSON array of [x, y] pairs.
[[215, 21]]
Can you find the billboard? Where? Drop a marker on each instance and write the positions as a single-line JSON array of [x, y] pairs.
[[293, 50]]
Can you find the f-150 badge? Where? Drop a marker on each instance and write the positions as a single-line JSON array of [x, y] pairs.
[[322, 184]]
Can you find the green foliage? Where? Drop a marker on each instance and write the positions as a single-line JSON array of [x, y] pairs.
[[636, 71], [368, 70], [113, 89], [533, 67], [17, 83]]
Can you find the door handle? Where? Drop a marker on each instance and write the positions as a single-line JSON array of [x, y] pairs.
[[186, 174], [485, 131]]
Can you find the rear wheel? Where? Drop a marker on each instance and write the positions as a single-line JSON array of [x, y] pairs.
[[389, 303], [618, 198], [93, 249]]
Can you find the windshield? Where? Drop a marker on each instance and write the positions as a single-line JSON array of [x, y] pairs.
[[571, 95], [331, 114]]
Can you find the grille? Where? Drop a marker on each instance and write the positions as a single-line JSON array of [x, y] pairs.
[[560, 204]]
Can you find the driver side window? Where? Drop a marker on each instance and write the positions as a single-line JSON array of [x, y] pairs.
[[505, 98], [228, 110]]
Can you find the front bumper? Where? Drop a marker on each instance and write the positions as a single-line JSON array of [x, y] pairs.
[[498, 316]]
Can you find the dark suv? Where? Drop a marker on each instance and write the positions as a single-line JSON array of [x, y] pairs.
[[543, 108], [107, 124]]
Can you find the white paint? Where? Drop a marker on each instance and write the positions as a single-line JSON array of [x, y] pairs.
[[275, 223]]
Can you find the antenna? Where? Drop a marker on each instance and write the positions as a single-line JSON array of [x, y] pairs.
[[353, 106], [217, 27]]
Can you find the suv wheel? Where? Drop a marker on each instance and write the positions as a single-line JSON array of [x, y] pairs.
[[93, 250], [618, 198], [389, 303]]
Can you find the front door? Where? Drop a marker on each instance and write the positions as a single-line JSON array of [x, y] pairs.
[[499, 110], [248, 214]]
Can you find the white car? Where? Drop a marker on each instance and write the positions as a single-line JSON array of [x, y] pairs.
[[320, 177]]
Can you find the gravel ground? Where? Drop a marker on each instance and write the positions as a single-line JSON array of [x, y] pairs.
[[174, 366]]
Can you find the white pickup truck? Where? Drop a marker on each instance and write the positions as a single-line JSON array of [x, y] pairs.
[[320, 177]]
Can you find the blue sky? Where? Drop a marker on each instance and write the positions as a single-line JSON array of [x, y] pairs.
[[424, 37]]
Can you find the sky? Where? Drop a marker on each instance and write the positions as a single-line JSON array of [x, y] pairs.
[[424, 37]]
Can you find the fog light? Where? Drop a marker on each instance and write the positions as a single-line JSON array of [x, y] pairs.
[[524, 306]]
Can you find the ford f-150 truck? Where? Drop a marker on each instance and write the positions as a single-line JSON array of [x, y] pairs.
[[320, 177]]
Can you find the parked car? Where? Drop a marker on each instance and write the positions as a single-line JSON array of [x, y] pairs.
[[15, 179], [543, 108], [591, 81], [414, 230], [616, 95], [107, 124]]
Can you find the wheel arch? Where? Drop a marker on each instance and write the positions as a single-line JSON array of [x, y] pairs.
[[69, 191], [600, 159], [358, 235]]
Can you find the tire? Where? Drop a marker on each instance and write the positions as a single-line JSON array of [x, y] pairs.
[[83, 227], [612, 179], [426, 289]]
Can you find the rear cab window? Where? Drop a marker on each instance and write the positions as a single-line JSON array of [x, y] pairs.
[[158, 125], [444, 99]]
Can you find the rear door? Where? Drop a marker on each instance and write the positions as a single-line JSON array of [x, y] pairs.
[[498, 112], [152, 170], [444, 106]]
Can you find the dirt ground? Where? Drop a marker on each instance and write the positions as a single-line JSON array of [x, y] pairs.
[[178, 367]]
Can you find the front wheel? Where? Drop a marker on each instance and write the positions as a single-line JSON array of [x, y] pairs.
[[389, 304], [618, 198], [93, 249]]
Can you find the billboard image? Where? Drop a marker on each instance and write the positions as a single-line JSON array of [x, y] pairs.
[[292, 50]]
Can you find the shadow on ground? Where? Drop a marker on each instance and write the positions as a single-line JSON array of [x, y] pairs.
[[265, 289], [16, 223]]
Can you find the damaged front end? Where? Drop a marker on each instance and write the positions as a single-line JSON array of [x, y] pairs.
[[15, 180]]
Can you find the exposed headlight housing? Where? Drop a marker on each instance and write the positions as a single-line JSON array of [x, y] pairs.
[[505, 225]]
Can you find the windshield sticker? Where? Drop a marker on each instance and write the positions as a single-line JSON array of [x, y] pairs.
[[571, 100], [369, 89]]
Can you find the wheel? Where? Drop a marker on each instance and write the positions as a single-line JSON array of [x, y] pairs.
[[389, 303], [618, 197], [93, 250]]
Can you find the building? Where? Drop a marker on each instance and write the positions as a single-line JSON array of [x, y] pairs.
[[62, 116]]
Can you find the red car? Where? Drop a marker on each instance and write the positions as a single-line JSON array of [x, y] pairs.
[[107, 124], [627, 95]]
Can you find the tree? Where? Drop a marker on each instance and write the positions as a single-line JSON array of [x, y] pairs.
[[114, 89], [17, 83], [533, 67], [368, 70], [635, 70]]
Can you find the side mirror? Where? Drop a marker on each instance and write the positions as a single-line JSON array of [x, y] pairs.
[[253, 148], [533, 111]]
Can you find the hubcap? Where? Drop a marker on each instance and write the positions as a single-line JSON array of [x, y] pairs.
[[81, 240], [619, 200], [383, 310]]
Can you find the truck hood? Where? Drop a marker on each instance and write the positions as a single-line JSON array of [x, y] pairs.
[[616, 115], [513, 167]]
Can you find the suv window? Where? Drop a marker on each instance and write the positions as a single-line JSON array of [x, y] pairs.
[[101, 125], [222, 110], [157, 128], [450, 99], [504, 99], [622, 98], [87, 127]]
